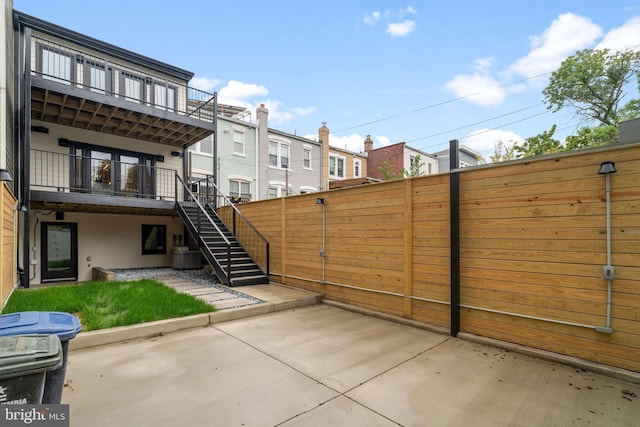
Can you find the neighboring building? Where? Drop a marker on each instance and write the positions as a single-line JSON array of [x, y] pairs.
[[8, 214], [398, 157], [629, 131], [256, 162], [236, 152], [101, 157], [287, 164], [466, 156], [341, 168]]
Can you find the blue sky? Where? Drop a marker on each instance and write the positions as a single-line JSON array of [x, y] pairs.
[[423, 72]]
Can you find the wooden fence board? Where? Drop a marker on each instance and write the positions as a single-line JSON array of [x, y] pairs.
[[533, 242]]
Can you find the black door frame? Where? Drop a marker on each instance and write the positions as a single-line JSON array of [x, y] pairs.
[[67, 274]]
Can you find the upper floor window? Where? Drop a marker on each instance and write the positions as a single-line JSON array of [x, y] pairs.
[[238, 142], [357, 168], [279, 154], [95, 77], [164, 96], [336, 166], [55, 64], [306, 157], [132, 86], [204, 147]]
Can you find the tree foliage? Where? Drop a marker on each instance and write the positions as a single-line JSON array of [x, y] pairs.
[[592, 83], [538, 145], [415, 169]]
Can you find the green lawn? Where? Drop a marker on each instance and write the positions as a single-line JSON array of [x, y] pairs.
[[101, 305]]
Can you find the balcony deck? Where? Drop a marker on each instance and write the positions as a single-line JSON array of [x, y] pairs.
[[74, 183], [165, 112]]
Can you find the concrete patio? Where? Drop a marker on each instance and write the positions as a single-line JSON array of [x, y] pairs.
[[321, 365]]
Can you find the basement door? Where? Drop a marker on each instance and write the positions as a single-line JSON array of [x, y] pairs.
[[59, 251]]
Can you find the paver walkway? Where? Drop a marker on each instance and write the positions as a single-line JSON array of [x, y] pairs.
[[219, 298]]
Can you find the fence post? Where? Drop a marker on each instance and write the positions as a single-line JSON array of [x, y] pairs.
[[454, 219]]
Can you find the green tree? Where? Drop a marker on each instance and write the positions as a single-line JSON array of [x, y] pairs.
[[593, 83], [538, 145], [415, 169], [502, 151], [591, 137]]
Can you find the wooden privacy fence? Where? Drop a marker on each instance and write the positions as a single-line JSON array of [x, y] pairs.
[[532, 245]]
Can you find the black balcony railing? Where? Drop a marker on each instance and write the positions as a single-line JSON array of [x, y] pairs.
[[98, 176], [71, 67]]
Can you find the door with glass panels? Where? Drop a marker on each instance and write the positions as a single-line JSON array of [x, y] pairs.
[[59, 251]]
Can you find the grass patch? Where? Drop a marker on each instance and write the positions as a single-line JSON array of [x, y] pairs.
[[101, 305]]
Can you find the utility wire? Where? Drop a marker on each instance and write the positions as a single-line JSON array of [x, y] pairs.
[[440, 103]]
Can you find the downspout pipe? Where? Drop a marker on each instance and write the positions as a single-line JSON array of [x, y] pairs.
[[454, 219]]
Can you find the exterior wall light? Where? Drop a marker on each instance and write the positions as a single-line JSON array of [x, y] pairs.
[[320, 201], [607, 168], [5, 175]]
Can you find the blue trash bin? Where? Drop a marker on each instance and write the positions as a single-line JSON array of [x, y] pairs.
[[66, 326]]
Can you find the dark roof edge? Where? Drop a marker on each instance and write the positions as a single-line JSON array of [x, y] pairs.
[[100, 46]]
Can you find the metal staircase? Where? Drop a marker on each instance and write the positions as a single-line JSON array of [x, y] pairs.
[[229, 260]]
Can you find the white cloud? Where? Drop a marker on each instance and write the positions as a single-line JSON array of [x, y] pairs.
[[371, 18], [235, 90], [479, 88], [567, 34], [624, 37], [396, 26], [279, 115], [484, 140], [401, 29], [250, 96], [204, 83]]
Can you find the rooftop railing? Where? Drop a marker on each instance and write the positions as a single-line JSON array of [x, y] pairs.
[[68, 66]]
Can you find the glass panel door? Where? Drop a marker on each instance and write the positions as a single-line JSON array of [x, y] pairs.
[[100, 172], [59, 251], [129, 175]]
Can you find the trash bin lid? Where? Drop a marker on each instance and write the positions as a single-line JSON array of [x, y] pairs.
[[66, 326], [27, 354]]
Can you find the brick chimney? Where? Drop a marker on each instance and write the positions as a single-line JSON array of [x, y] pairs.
[[323, 136], [262, 125], [368, 144]]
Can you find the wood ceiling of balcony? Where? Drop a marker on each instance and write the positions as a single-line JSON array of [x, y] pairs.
[[69, 110], [100, 208]]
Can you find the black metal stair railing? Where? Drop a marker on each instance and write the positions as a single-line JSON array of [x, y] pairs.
[[200, 225], [247, 235]]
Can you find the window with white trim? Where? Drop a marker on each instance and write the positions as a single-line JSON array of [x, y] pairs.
[[238, 142], [357, 168], [204, 146], [240, 188], [277, 189], [336, 166], [306, 157], [306, 189], [278, 154]]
